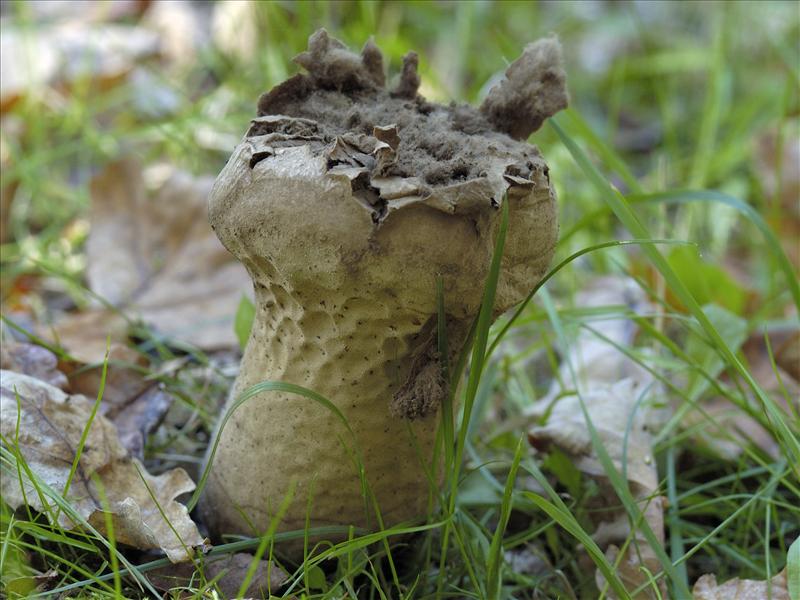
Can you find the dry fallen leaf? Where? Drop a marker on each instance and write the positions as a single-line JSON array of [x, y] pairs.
[[152, 253], [85, 335], [29, 359], [50, 427], [228, 572], [707, 588], [134, 404], [622, 400]]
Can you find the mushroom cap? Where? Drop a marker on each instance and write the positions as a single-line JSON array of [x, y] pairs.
[[342, 182]]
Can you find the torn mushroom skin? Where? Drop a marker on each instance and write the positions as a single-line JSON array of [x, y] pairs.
[[345, 201]]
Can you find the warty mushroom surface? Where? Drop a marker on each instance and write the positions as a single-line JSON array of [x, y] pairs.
[[345, 201]]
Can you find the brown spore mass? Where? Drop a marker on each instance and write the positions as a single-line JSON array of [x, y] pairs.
[[345, 96]]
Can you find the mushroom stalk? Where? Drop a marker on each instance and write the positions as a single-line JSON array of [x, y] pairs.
[[345, 201]]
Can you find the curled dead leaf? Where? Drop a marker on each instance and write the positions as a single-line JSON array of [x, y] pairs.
[[51, 424], [707, 588], [85, 335]]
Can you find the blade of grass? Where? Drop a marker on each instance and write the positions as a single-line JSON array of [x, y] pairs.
[[712, 109], [523, 305], [493, 567], [14, 462], [676, 547], [775, 247], [483, 326], [267, 538], [560, 513], [481, 336], [605, 152], [793, 569], [618, 482], [92, 415], [112, 540]]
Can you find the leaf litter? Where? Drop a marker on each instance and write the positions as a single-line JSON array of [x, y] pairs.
[[707, 588], [133, 403], [152, 256], [54, 402], [46, 424], [626, 406]]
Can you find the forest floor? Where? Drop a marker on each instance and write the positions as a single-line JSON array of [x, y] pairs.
[[633, 433]]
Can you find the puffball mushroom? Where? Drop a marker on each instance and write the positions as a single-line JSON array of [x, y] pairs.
[[345, 201]]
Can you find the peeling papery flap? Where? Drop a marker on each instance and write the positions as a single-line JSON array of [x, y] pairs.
[[349, 173], [348, 151], [393, 188], [292, 126], [521, 183], [467, 197], [387, 134], [358, 150], [264, 146], [298, 161], [460, 198], [278, 131], [362, 158]]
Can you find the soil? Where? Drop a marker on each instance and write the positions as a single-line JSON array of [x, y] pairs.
[[396, 132]]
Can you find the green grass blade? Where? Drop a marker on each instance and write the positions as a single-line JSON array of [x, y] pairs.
[[774, 245], [676, 546], [605, 152], [560, 513], [575, 255], [267, 538], [85, 433], [12, 462], [712, 109], [493, 567]]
